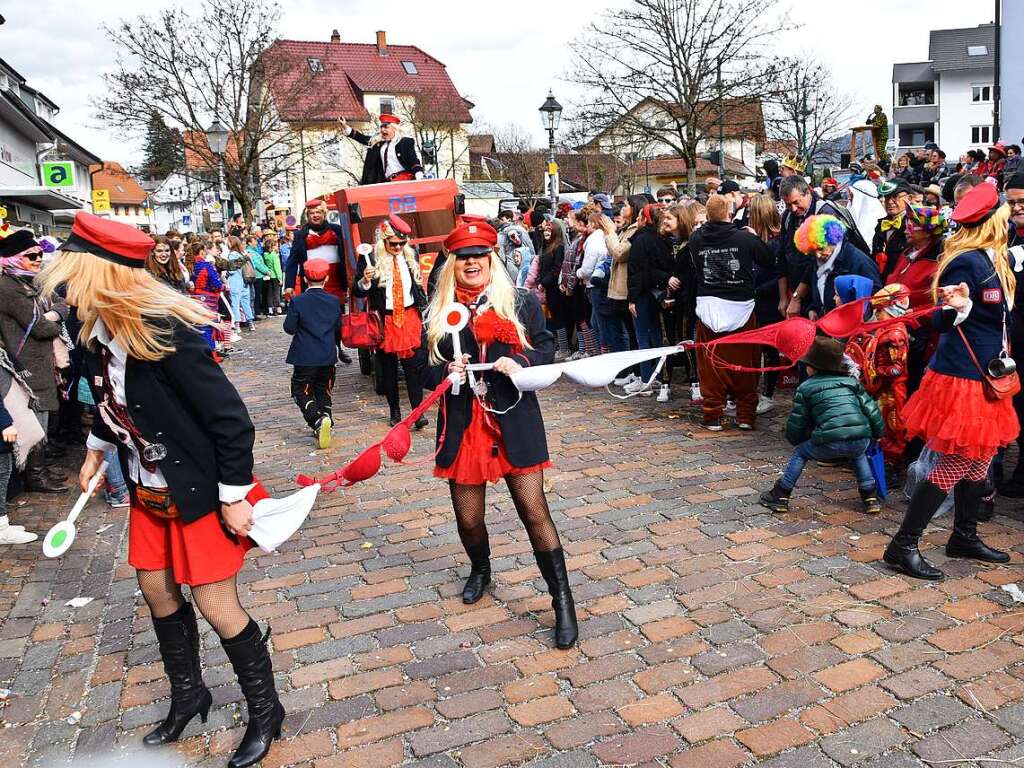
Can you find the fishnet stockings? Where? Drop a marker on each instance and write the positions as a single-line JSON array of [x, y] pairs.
[[218, 602], [951, 469], [532, 505], [527, 491], [162, 594]]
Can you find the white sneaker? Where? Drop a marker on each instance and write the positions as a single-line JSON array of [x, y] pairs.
[[236, 336], [663, 393], [695, 396], [14, 534], [730, 407], [625, 381], [578, 355], [764, 404], [638, 387]]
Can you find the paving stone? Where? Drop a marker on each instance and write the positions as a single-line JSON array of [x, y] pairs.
[[932, 712], [971, 738], [804, 757], [863, 741]]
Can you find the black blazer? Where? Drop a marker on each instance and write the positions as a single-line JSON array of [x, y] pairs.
[[373, 166], [375, 295], [186, 403], [522, 428], [314, 321], [297, 258]]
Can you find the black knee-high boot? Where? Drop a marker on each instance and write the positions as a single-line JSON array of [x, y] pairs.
[[964, 541], [250, 659], [902, 552], [178, 636], [552, 568], [479, 574]]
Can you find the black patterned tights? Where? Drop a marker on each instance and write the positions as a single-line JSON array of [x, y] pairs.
[[529, 500]]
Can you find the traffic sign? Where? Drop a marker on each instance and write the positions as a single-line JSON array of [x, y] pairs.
[[58, 174], [186, 219], [101, 201]]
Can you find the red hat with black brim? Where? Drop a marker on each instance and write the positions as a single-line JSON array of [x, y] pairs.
[[110, 240], [316, 270], [977, 206], [390, 119], [471, 237]]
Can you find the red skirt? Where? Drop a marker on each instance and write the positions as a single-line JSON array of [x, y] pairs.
[[200, 552], [953, 415], [406, 340], [477, 461]]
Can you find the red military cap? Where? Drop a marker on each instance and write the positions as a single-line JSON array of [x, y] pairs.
[[316, 270], [471, 237], [316, 202], [977, 206], [392, 119], [394, 226], [109, 240]]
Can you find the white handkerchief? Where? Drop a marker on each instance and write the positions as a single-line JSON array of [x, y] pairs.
[[275, 520], [536, 377]]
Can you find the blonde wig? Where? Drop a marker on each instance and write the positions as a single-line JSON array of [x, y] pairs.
[[501, 297], [133, 305], [384, 263], [989, 236]]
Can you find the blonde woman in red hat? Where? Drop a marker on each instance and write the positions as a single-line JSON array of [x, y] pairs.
[[492, 431], [389, 157], [959, 409], [184, 441], [391, 281]]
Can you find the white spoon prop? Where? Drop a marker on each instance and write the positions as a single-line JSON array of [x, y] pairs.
[[60, 537], [455, 318]]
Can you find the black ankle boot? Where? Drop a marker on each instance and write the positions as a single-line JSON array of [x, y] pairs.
[[37, 479], [777, 499], [902, 552], [479, 574], [552, 568], [964, 541], [178, 636], [251, 661], [395, 417]]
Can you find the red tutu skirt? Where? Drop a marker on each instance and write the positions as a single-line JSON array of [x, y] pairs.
[[953, 415], [406, 340], [481, 457]]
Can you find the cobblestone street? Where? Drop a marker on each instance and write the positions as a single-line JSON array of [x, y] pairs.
[[713, 634]]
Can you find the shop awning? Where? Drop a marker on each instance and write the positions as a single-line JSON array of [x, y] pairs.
[[39, 197]]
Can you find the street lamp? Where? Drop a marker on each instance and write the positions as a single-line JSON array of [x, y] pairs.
[[551, 115], [217, 139]]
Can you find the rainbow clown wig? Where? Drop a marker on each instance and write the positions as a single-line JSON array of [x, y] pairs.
[[818, 232]]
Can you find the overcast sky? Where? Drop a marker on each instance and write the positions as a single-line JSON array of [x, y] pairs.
[[503, 56]]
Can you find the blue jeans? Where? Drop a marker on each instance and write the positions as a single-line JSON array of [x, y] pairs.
[[648, 330], [115, 478], [594, 294], [240, 302], [841, 449], [614, 334]]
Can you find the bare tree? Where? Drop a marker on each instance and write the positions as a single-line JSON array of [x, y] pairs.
[[517, 160], [651, 70], [806, 109], [436, 118], [217, 64]]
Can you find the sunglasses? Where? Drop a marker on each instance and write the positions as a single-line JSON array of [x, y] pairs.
[[667, 200], [467, 256], [33, 256], [395, 243]]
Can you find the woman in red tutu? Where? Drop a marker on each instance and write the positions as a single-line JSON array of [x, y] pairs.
[[492, 431], [390, 280], [954, 409]]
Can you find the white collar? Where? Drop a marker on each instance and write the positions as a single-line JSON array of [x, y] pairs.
[[102, 335]]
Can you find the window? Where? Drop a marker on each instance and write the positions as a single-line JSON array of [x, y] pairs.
[[410, 68], [981, 134], [977, 50], [387, 105], [315, 65], [981, 93]]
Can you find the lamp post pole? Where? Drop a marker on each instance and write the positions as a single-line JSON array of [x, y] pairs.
[[217, 138], [551, 114]]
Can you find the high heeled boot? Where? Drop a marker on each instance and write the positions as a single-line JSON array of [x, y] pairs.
[[250, 659], [479, 574], [552, 568], [178, 637], [964, 540], [902, 552]]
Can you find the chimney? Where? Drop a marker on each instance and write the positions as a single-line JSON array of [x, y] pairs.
[[382, 42], [335, 36]]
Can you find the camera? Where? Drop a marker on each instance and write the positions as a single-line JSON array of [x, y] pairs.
[[1003, 365]]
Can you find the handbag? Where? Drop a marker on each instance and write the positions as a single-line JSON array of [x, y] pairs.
[[361, 330], [157, 502], [995, 387]]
